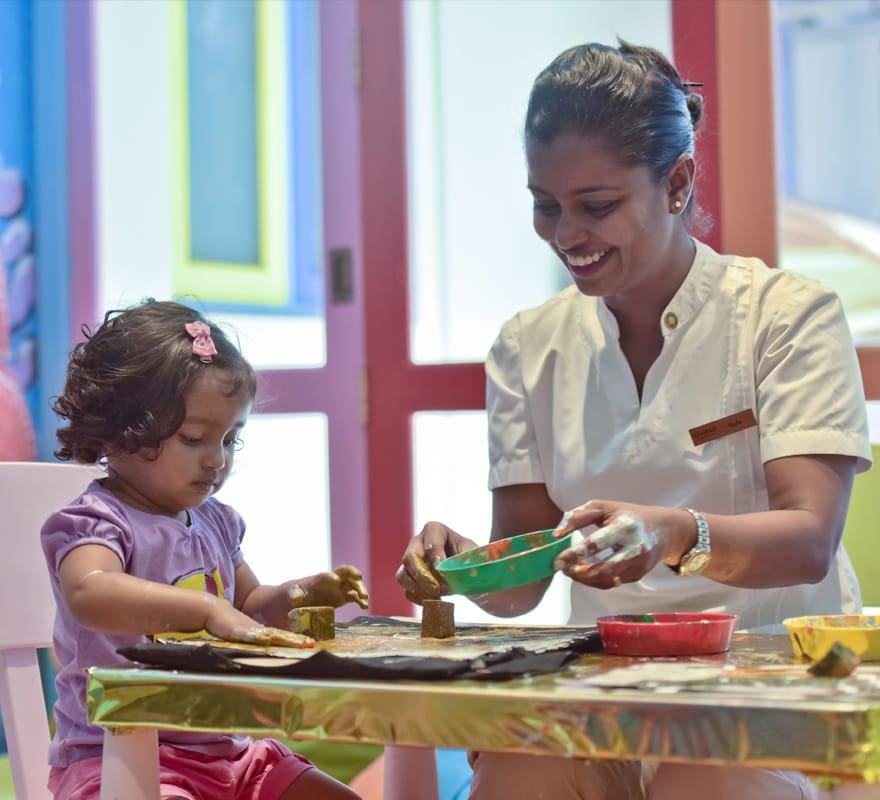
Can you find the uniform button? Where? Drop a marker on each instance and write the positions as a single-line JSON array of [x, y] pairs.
[[671, 321]]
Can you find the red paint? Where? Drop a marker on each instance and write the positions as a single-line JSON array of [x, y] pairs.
[[498, 549], [671, 634]]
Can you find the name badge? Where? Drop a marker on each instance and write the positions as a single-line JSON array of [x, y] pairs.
[[723, 427]]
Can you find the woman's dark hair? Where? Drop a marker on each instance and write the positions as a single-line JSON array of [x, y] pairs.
[[631, 98], [127, 383]]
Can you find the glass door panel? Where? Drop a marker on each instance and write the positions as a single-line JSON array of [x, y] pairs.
[[279, 485], [474, 258], [224, 216], [828, 54]]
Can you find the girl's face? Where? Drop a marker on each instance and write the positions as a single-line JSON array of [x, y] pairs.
[[612, 225], [194, 462]]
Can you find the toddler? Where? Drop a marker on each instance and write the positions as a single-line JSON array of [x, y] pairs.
[[160, 396]]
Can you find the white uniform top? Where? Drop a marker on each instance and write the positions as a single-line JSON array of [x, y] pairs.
[[564, 411]]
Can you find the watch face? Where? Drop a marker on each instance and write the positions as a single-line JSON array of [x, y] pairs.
[[696, 563]]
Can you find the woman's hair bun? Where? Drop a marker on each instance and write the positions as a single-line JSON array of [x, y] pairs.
[[695, 107]]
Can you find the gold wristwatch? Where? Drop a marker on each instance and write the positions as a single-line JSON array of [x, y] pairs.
[[695, 560]]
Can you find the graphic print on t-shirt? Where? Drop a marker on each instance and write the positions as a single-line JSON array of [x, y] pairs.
[[198, 581]]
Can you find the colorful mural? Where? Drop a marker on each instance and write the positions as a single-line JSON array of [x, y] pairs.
[[17, 265], [17, 301]]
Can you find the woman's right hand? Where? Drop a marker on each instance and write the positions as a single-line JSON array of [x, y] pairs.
[[417, 573]]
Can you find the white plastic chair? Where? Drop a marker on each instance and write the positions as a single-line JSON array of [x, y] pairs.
[[29, 493]]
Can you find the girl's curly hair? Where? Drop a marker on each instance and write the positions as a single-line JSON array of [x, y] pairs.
[[126, 384]]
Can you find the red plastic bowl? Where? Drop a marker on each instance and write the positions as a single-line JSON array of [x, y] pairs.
[[670, 634]]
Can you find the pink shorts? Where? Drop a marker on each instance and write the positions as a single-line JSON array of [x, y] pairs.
[[260, 772]]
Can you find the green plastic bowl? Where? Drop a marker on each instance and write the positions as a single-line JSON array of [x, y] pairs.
[[503, 564]]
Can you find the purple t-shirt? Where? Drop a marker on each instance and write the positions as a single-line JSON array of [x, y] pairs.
[[202, 556]]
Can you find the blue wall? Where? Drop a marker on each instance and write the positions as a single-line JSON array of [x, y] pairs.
[[33, 137], [50, 142], [17, 222]]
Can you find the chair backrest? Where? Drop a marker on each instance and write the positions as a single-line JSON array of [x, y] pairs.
[[29, 493]]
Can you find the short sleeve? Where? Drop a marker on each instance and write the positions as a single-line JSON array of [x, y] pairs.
[[513, 450], [88, 520], [809, 389]]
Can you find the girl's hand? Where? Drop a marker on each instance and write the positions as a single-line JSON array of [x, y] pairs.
[[628, 541], [417, 573], [344, 585], [229, 624]]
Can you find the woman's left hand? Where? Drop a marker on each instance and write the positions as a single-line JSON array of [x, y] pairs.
[[344, 585], [628, 542]]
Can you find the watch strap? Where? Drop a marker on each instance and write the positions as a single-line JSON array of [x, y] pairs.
[[703, 544], [696, 559]]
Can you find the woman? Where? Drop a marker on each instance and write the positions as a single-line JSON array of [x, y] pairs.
[[716, 400]]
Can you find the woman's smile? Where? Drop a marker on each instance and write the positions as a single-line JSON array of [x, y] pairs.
[[585, 266]]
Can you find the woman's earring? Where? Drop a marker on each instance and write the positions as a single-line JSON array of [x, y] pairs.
[[677, 205]]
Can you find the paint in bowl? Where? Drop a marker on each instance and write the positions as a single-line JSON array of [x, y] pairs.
[[667, 634], [812, 637], [503, 564]]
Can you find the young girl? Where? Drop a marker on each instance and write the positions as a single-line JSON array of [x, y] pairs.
[[160, 396]]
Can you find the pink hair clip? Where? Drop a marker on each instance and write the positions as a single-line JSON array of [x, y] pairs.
[[203, 344]]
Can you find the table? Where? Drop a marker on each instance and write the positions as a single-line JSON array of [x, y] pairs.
[[753, 706]]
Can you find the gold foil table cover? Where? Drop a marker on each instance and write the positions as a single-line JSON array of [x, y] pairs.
[[753, 706]]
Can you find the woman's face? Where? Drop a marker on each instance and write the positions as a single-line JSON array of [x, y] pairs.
[[613, 226]]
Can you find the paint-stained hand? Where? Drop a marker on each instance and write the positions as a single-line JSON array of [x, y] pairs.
[[231, 625], [344, 585], [619, 543], [275, 637], [417, 574]]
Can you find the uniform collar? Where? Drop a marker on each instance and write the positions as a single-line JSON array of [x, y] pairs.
[[694, 291]]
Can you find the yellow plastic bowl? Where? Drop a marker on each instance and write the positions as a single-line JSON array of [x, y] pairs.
[[813, 637]]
